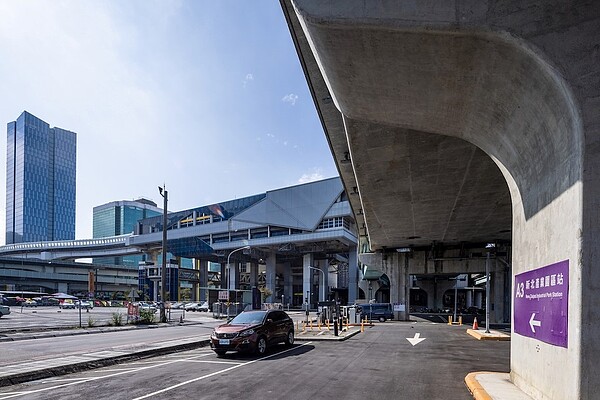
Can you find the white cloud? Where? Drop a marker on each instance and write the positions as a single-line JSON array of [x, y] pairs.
[[290, 98], [316, 175], [248, 78]]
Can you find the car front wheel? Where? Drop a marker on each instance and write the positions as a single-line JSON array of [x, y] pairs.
[[261, 346], [382, 319], [289, 340]]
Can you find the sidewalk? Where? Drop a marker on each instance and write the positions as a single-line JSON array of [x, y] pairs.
[[492, 385]]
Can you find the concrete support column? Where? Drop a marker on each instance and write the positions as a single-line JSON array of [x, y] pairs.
[[156, 290], [253, 274], [270, 275], [202, 265], [323, 280], [234, 275], [288, 279], [469, 298], [352, 274], [396, 268], [497, 295], [307, 261], [478, 299], [223, 276]]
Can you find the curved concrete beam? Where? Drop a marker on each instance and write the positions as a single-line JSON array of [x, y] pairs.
[[488, 88]]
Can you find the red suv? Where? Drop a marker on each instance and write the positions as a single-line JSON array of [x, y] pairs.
[[253, 331]]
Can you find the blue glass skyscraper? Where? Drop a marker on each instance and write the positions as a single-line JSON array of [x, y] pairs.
[[118, 218], [40, 181]]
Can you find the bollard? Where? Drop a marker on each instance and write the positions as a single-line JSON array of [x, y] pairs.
[[450, 320], [319, 324], [362, 325], [460, 320], [297, 326]]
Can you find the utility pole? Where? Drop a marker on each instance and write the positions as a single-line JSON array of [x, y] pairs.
[[163, 269]]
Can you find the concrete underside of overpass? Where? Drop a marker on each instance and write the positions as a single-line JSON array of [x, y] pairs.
[[461, 121]]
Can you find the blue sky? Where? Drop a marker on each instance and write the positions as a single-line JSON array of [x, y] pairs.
[[206, 96]]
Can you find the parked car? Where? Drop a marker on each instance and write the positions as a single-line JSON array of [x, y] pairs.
[[147, 306], [253, 331], [68, 303], [4, 310], [84, 304], [377, 311], [191, 307], [196, 306], [30, 303]]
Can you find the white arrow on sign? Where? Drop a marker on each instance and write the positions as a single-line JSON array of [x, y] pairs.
[[415, 340], [533, 322]]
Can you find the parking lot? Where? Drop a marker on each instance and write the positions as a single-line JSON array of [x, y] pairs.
[[379, 363], [49, 317]]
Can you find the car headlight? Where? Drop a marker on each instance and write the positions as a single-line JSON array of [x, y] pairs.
[[246, 333]]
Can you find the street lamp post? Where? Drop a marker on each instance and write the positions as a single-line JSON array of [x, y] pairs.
[[163, 269]]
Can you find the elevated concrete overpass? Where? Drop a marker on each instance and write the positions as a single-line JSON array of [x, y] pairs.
[[469, 122]]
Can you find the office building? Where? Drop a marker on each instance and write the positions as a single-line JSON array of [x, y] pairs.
[[118, 218], [40, 181]]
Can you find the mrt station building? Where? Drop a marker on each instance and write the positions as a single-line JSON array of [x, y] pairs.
[[296, 244]]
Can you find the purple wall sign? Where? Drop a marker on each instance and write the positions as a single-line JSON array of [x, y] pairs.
[[542, 304]]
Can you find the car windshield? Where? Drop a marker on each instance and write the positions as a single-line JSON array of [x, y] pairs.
[[249, 318]]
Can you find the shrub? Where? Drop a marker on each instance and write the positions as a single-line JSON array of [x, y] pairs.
[[91, 322], [147, 317], [117, 319]]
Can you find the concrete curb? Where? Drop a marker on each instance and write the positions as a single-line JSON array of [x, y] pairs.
[[494, 335], [96, 363], [475, 387], [12, 336]]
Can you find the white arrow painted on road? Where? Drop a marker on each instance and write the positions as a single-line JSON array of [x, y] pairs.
[[415, 340], [533, 322]]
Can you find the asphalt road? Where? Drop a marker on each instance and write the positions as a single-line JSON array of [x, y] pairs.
[[378, 364]]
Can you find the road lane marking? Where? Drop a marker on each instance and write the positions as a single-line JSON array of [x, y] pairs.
[[415, 340], [90, 379], [211, 362], [216, 373]]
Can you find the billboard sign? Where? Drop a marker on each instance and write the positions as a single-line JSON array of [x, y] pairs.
[[541, 301]]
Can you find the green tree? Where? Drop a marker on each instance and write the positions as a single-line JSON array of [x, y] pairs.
[[186, 294]]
